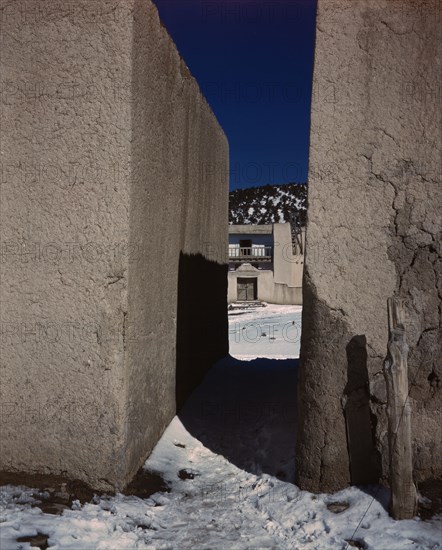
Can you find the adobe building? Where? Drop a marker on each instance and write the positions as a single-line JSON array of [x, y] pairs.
[[374, 194], [265, 263], [107, 209]]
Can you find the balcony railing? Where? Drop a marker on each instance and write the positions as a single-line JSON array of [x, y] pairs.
[[255, 254]]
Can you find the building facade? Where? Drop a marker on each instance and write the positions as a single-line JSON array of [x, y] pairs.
[[266, 263]]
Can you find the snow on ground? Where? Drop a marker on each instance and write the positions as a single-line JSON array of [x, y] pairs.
[[270, 331], [234, 441]]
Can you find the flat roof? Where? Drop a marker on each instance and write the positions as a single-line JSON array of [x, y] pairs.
[[250, 229]]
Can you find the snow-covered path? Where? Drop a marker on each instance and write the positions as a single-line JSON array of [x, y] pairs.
[[270, 331], [234, 443]]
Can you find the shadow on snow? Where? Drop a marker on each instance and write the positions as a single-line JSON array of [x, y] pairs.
[[246, 411]]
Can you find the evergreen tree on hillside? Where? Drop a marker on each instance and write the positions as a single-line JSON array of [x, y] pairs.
[[268, 204]]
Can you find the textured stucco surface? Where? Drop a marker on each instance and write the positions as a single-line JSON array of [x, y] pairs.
[[374, 230], [107, 155]]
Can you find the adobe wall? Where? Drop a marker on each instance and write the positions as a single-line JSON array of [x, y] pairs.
[[288, 267], [112, 219], [374, 198]]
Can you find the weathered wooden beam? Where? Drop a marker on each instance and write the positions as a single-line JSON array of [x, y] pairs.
[[403, 503]]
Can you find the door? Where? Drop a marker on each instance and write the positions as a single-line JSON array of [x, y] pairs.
[[247, 289], [245, 247]]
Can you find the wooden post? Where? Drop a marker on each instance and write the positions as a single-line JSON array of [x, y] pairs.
[[403, 503]]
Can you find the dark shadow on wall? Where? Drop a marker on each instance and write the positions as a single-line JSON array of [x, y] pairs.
[[246, 411], [365, 466], [202, 327]]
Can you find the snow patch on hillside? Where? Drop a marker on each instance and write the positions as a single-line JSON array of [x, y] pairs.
[[268, 204]]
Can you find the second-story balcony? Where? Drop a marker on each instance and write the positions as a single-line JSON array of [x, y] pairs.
[[250, 254]]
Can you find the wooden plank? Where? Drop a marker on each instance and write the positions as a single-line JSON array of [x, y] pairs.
[[403, 503]]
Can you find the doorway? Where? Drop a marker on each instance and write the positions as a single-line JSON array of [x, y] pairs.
[[247, 289]]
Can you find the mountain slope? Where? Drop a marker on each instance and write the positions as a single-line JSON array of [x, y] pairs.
[[268, 204]]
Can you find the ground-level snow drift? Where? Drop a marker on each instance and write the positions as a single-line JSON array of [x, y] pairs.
[[270, 331], [228, 459]]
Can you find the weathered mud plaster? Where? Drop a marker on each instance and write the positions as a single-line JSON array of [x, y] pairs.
[[374, 230], [114, 169]]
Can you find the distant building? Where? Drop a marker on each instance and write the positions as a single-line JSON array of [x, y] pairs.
[[266, 263]]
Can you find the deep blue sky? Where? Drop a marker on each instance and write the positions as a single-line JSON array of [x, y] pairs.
[[253, 60]]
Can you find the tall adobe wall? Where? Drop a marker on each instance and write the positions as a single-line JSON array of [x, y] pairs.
[[112, 219], [373, 231]]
